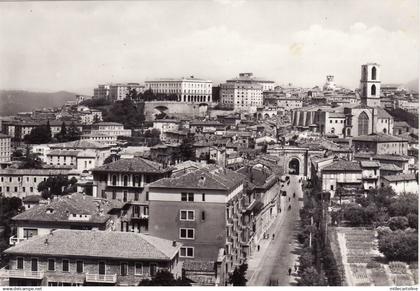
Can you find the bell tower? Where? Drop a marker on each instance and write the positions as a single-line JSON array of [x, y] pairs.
[[370, 85]]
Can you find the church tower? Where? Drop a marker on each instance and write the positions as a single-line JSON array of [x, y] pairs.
[[370, 85]]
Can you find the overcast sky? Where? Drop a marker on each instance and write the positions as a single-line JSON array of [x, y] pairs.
[[49, 46]]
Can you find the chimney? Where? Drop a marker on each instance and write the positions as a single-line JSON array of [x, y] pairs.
[[174, 243], [46, 242]]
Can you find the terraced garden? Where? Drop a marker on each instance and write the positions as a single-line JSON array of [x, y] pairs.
[[365, 265]]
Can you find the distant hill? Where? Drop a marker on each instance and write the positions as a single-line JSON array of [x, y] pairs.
[[413, 85], [13, 101]]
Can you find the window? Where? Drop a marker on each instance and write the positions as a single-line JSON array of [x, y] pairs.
[[23, 189], [19, 264], [203, 215], [79, 266], [138, 269], [114, 180], [66, 266], [51, 265], [188, 215], [187, 252], [31, 189], [136, 196], [332, 187], [34, 180], [16, 189], [101, 268], [125, 196], [125, 180], [29, 232], [7, 189], [124, 269], [187, 197], [203, 197], [34, 265], [363, 124], [373, 90], [114, 195], [374, 73], [186, 233]]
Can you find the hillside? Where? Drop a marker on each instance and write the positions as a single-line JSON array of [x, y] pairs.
[[13, 101]]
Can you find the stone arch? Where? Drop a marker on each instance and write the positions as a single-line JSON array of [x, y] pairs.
[[294, 166], [266, 116], [332, 130], [363, 123], [384, 130], [260, 116]]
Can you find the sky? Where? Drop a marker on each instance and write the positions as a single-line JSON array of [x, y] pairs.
[[73, 46]]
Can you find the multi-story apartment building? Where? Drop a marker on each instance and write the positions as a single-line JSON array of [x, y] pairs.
[[126, 180], [89, 257], [90, 116], [24, 182], [110, 128], [203, 210], [244, 93], [116, 92], [75, 211], [190, 89], [166, 125], [5, 148]]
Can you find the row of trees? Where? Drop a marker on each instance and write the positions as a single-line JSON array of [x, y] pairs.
[[42, 134], [148, 95]]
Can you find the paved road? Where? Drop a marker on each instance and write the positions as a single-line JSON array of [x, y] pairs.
[[280, 255]]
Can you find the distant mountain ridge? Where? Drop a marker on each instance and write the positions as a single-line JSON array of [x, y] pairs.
[[13, 101]]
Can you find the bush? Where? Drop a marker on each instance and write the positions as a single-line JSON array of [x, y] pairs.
[[398, 222], [399, 246], [310, 277], [413, 220]]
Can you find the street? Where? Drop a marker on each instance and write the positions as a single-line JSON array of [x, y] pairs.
[[278, 255]]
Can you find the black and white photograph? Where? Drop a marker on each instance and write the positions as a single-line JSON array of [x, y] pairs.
[[209, 143]]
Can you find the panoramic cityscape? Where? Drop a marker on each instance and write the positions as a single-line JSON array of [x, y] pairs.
[[235, 147]]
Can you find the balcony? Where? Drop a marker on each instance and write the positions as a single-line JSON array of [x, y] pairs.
[[139, 216], [98, 278], [13, 240], [21, 274]]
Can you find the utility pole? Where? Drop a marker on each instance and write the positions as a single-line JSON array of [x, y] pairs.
[[310, 232]]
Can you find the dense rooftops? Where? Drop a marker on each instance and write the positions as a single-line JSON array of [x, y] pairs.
[[400, 178], [98, 244], [378, 138], [343, 166], [78, 144], [138, 165], [63, 208], [210, 177]]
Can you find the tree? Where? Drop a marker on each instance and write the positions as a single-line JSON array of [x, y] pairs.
[[310, 277], [38, 135], [17, 154], [111, 158], [399, 246], [31, 161], [398, 222], [238, 276], [187, 150], [73, 133], [58, 185], [62, 135], [355, 215], [130, 114], [404, 204], [164, 278], [306, 260], [49, 128], [382, 197]]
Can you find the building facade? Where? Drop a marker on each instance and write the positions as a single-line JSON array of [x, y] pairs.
[[5, 148], [90, 258], [191, 90], [203, 210]]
